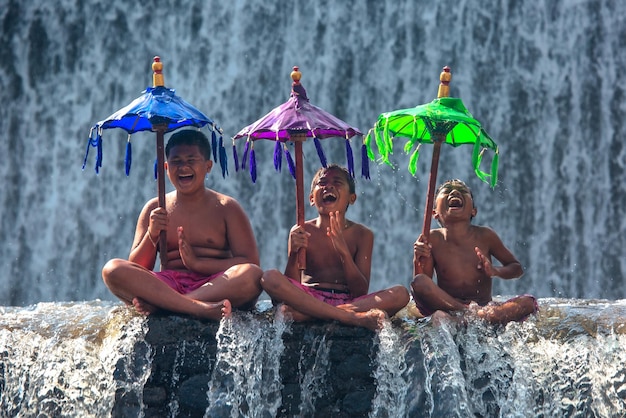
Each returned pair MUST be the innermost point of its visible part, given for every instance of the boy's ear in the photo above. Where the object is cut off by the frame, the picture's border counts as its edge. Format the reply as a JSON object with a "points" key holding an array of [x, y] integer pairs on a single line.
{"points": [[165, 165], [474, 212], [352, 199], [209, 165], [311, 202]]}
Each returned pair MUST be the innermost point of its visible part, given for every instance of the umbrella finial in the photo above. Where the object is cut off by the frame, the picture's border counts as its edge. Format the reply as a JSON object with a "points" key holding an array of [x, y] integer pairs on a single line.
{"points": [[157, 76], [296, 87], [296, 75], [444, 86]]}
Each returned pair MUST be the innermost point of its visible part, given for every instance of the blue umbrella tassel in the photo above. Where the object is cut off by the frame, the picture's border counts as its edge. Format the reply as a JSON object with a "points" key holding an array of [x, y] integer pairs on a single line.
{"points": [[278, 156], [214, 145], [156, 170], [320, 151], [246, 149], [350, 158], [235, 157], [365, 166], [128, 158], [290, 163], [223, 159], [252, 165]]}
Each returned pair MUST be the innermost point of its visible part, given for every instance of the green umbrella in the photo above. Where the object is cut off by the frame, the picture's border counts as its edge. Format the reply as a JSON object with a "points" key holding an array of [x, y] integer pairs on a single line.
{"points": [[444, 120]]}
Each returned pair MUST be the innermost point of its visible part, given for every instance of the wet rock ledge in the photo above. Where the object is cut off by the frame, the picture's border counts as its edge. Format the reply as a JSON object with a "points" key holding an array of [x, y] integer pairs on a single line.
{"points": [[186, 373]]}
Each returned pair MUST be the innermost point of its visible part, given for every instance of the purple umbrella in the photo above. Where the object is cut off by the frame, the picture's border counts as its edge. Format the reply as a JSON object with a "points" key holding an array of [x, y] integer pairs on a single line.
{"points": [[295, 121]]}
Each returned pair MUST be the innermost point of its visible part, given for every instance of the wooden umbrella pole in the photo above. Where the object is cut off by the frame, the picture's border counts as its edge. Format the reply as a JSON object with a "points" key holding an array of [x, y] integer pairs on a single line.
{"points": [[438, 138], [432, 184], [160, 133], [298, 139]]}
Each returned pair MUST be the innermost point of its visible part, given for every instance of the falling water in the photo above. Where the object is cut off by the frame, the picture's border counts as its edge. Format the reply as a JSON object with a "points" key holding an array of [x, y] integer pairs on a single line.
{"points": [[541, 76]]}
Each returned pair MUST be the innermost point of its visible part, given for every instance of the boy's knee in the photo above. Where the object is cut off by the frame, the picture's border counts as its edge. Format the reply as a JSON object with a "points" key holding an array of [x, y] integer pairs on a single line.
{"points": [[111, 268], [420, 283], [270, 279]]}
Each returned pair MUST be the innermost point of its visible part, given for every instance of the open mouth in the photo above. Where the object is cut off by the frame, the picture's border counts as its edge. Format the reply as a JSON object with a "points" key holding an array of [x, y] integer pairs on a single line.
{"points": [[329, 197], [455, 202], [185, 178]]}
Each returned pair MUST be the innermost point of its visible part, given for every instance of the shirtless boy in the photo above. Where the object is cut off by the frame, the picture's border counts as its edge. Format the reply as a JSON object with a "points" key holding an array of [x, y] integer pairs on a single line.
{"points": [[212, 254], [338, 262], [461, 255]]}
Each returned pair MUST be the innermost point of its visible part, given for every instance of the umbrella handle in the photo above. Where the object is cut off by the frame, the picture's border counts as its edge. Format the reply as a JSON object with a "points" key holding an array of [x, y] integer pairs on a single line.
{"points": [[432, 184], [300, 201], [161, 192]]}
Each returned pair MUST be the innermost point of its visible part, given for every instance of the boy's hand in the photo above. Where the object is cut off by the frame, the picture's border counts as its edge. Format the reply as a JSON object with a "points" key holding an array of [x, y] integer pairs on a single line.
{"points": [[421, 248], [484, 263], [298, 238], [187, 255], [158, 222], [335, 232]]}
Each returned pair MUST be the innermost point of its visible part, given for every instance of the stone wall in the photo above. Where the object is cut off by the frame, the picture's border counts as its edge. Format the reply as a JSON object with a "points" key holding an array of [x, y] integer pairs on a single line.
{"points": [[181, 356]]}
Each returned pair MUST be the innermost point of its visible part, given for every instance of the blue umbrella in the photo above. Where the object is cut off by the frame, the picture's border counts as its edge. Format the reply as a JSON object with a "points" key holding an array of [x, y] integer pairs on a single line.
{"points": [[158, 109]]}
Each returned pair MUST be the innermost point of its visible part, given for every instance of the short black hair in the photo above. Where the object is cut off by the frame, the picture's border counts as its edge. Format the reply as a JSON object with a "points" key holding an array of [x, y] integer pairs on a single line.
{"points": [[189, 137], [349, 179]]}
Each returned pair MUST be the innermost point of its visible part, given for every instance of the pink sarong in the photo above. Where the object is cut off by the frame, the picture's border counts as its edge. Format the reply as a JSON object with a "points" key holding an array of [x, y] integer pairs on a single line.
{"points": [[184, 281]]}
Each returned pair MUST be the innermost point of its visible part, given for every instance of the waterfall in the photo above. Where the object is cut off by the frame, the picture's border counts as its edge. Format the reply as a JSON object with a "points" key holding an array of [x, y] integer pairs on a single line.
{"points": [[543, 78], [89, 359]]}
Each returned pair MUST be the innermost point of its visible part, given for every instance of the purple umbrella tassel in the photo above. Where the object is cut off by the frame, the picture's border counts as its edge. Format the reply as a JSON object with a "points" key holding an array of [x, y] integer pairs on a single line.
{"points": [[365, 165], [278, 156], [246, 149], [128, 158], [235, 157], [214, 145], [290, 163], [320, 151], [252, 166], [350, 158]]}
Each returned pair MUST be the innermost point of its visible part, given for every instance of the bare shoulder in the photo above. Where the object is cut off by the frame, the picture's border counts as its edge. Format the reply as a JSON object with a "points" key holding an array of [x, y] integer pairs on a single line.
{"points": [[485, 233], [150, 205], [360, 231]]}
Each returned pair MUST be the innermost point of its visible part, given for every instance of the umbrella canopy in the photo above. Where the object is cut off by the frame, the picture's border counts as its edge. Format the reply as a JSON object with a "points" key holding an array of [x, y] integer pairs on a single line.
{"points": [[444, 120], [295, 121], [158, 109]]}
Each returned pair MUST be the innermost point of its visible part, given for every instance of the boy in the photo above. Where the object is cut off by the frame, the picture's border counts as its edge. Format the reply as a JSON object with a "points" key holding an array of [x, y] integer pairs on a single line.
{"points": [[212, 254], [461, 253], [338, 262]]}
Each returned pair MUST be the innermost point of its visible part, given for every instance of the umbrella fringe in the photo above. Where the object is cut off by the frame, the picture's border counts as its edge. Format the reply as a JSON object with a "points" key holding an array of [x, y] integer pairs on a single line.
{"points": [[95, 142], [365, 168], [494, 170], [320, 152], [246, 149], [223, 159], [278, 156], [367, 141], [350, 158], [235, 157], [252, 165], [128, 158], [290, 163], [214, 145], [413, 160], [156, 169]]}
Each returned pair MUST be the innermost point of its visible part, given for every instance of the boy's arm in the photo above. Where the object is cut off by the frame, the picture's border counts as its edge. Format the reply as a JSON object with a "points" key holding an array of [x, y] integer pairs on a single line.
{"points": [[511, 268], [356, 270], [422, 257], [143, 251], [298, 238]]}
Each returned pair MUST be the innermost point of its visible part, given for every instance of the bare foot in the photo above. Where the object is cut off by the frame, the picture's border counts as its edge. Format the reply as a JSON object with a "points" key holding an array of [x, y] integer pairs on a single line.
{"points": [[144, 307], [372, 319], [292, 314], [217, 310]]}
